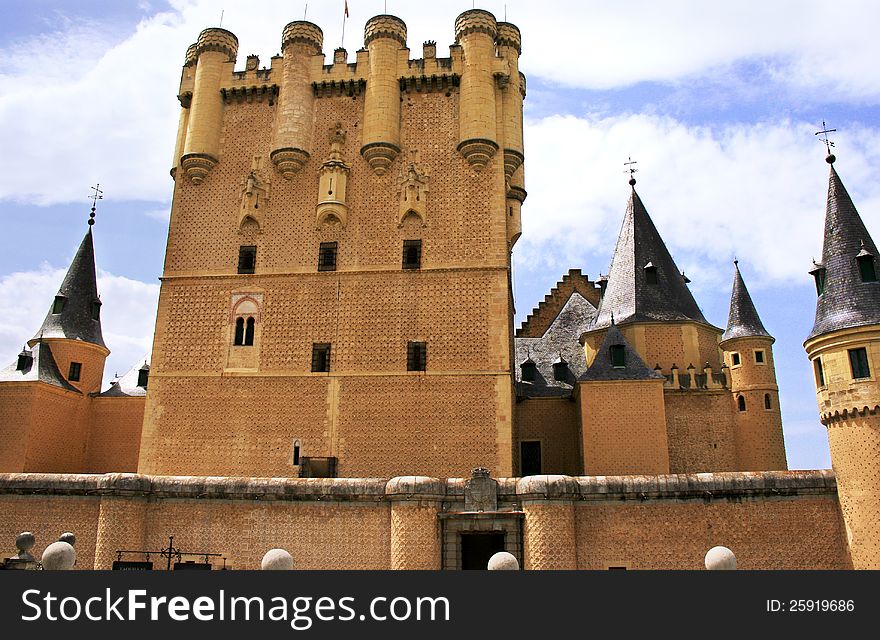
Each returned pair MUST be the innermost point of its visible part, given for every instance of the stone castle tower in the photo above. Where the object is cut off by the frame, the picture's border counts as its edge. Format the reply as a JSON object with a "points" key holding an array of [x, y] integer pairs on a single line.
{"points": [[336, 292], [844, 347]]}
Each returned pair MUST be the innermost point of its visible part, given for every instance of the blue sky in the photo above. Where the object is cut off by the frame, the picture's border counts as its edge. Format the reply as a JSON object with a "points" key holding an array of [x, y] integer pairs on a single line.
{"points": [[717, 103]]}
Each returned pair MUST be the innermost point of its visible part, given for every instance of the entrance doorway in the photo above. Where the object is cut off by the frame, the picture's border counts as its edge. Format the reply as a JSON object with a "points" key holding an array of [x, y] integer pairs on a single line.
{"points": [[477, 548]]}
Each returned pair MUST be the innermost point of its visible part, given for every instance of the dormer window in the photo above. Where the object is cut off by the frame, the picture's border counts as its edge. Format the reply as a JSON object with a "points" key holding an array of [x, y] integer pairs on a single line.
{"points": [[96, 310], [818, 273], [650, 273], [560, 369], [143, 376], [866, 266], [25, 360], [618, 356], [58, 305], [528, 370]]}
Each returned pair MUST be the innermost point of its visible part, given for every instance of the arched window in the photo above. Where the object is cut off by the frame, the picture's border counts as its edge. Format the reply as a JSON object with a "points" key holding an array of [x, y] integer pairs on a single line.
{"points": [[249, 332], [741, 402], [767, 403], [239, 332]]}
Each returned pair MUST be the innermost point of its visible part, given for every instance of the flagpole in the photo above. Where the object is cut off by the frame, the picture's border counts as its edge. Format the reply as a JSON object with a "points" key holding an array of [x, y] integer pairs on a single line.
{"points": [[344, 18]]}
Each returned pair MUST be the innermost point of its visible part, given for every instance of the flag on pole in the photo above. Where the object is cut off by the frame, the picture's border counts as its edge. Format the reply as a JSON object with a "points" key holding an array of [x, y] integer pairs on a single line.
{"points": [[346, 8]]}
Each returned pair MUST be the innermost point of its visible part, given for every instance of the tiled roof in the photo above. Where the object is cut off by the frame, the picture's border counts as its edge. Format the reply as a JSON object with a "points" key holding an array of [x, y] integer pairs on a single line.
{"points": [[602, 367], [42, 368], [743, 320], [126, 386]]}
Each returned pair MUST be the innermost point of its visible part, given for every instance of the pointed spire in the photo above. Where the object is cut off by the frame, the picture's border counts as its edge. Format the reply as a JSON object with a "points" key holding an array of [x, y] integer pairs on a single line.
{"points": [[743, 320], [644, 284], [617, 360], [850, 297], [75, 312]]}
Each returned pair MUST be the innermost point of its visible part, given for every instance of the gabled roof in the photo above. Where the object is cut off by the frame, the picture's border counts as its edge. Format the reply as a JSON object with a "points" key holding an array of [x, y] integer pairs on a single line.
{"points": [[126, 386], [743, 320], [542, 316], [602, 368], [42, 368], [629, 297], [846, 301], [80, 290]]}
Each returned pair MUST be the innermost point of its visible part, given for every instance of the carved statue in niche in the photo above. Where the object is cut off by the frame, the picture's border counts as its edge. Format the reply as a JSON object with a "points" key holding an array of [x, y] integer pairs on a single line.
{"points": [[413, 194], [254, 198], [333, 181]]}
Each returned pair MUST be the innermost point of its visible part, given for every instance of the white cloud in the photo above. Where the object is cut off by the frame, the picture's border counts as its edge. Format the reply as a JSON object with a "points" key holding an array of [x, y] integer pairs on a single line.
{"points": [[127, 317]]}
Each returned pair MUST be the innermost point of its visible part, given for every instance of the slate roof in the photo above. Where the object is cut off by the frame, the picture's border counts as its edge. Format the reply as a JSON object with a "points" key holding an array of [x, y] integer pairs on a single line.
{"points": [[743, 320], [126, 386], [602, 368], [43, 368], [560, 339], [628, 295], [80, 288], [846, 301]]}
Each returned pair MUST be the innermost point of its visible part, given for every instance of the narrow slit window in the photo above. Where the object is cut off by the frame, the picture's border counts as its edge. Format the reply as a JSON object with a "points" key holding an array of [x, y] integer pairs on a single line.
{"points": [[412, 254], [327, 256], [416, 356], [296, 447], [75, 371], [818, 273], [820, 372], [249, 332], [741, 403], [239, 332], [858, 362], [768, 403], [96, 310], [247, 258], [321, 357]]}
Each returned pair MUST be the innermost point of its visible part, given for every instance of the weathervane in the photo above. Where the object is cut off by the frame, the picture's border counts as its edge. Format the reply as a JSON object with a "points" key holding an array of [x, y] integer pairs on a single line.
{"points": [[631, 170], [97, 195], [828, 143]]}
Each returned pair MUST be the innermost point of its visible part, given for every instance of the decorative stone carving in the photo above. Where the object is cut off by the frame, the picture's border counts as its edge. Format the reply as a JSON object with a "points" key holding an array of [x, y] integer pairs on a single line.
{"points": [[480, 491], [254, 197], [413, 194], [333, 180]]}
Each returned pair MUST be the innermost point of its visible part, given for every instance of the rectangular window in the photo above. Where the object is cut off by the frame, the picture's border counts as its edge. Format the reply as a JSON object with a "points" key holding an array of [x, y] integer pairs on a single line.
{"points": [[58, 305], [297, 445], [820, 372], [75, 371], [618, 355], [327, 256], [412, 254], [247, 258], [416, 356], [321, 357], [858, 362], [734, 359], [759, 357], [866, 269], [530, 458]]}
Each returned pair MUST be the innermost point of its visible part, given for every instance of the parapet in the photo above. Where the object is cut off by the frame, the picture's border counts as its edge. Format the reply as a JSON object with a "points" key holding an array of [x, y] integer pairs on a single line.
{"points": [[303, 32], [385, 26], [509, 36], [415, 488], [216, 39], [477, 21]]}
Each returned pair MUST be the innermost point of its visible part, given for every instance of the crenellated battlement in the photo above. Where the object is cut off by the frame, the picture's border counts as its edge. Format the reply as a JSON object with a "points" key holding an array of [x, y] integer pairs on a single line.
{"points": [[476, 21], [303, 32], [385, 26]]}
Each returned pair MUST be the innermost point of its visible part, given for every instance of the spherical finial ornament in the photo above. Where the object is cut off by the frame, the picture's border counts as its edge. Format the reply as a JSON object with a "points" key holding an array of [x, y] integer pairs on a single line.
{"points": [[830, 158], [277, 560], [68, 537], [59, 556], [632, 182], [720, 559], [503, 561], [25, 541]]}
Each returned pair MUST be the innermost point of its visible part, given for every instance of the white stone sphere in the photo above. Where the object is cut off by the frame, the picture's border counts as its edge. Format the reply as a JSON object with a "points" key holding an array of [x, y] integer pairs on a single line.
{"points": [[277, 560], [59, 556], [68, 537], [503, 561], [720, 559]]}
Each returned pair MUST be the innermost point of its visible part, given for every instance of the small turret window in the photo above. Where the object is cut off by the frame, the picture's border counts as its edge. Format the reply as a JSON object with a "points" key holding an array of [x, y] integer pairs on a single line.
{"points": [[734, 359], [819, 275], [650, 273], [529, 371], [820, 372], [143, 376], [858, 362], [618, 356], [25, 360], [96, 310], [58, 305], [866, 267], [560, 371], [741, 403], [759, 357], [768, 404], [75, 371]]}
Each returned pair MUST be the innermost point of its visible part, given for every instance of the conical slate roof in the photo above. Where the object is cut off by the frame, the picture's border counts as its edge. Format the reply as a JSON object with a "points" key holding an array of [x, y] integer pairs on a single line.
{"points": [[743, 320], [80, 292], [42, 368], [629, 297], [602, 367], [846, 301]]}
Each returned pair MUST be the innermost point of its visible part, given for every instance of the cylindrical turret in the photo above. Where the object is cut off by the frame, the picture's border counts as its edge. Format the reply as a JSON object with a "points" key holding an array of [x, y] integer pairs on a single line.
{"points": [[516, 195], [384, 36], [185, 99], [757, 418], [300, 41], [214, 48], [509, 43], [476, 31]]}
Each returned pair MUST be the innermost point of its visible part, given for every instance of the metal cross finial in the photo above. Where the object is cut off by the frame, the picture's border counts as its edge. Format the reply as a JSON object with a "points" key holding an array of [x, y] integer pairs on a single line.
{"points": [[97, 195], [824, 133], [630, 169]]}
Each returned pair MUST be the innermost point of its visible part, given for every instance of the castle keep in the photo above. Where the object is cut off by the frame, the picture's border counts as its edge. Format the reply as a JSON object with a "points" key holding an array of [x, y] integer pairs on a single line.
{"points": [[335, 369]]}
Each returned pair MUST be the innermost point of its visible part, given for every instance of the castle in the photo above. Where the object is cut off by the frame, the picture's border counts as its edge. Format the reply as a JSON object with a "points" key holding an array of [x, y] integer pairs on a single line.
{"points": [[335, 369]]}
